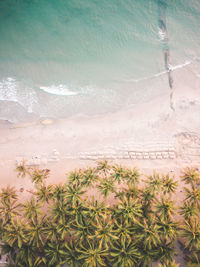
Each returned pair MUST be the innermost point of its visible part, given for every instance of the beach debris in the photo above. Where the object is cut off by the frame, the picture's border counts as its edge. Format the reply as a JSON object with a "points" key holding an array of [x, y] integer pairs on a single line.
{"points": [[158, 151], [19, 160], [34, 161], [55, 156], [47, 122], [38, 160]]}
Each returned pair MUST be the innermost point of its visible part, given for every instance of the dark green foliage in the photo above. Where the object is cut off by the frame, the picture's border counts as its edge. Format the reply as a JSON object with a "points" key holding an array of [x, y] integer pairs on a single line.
{"points": [[134, 224], [124, 253], [190, 176]]}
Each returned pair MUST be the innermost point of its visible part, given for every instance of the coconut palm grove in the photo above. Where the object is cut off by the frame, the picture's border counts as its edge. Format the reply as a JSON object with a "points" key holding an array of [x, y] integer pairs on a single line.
{"points": [[129, 220]]}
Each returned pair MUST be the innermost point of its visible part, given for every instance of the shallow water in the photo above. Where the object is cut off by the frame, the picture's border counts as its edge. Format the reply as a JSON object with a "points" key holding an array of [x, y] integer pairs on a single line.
{"points": [[64, 58]]}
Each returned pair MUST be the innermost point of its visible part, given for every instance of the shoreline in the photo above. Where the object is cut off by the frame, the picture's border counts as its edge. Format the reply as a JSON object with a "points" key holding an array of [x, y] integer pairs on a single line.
{"points": [[147, 128]]}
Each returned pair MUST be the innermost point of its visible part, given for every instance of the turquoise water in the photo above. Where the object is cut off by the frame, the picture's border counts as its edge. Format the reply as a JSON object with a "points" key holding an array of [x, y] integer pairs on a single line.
{"points": [[61, 58]]}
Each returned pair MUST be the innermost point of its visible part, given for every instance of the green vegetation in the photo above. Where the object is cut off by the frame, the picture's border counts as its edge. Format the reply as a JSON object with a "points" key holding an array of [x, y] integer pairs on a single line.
{"points": [[127, 221]]}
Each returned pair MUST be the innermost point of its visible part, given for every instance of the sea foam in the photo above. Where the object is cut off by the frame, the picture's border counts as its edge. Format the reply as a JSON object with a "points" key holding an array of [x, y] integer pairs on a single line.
{"points": [[58, 90], [8, 89], [171, 68], [11, 90]]}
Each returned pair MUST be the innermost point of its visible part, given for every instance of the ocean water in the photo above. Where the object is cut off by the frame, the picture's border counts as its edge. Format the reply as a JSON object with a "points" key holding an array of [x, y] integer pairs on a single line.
{"points": [[65, 58]]}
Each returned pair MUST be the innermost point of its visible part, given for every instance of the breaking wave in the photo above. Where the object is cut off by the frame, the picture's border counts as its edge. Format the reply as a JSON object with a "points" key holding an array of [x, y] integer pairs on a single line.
{"points": [[58, 90], [12, 90]]}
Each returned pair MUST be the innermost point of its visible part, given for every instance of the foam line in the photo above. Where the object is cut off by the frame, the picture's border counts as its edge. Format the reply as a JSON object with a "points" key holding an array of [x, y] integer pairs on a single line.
{"points": [[58, 90], [171, 68]]}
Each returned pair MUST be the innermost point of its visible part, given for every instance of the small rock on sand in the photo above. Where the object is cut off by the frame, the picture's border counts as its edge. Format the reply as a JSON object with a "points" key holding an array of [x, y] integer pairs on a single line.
{"points": [[47, 122]]}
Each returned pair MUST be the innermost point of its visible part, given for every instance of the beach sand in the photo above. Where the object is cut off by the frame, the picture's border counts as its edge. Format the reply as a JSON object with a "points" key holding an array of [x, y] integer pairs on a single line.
{"points": [[153, 126], [72, 143]]}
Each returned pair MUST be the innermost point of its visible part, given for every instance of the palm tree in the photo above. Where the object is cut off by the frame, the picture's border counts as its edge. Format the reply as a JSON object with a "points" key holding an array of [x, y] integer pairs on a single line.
{"points": [[132, 176], [148, 256], [9, 211], [118, 173], [40, 261], [38, 176], [167, 229], [169, 184], [83, 228], [44, 193], [164, 208], [50, 230], [26, 256], [59, 192], [120, 193], [106, 186], [104, 232], [129, 209], [193, 195], [58, 211], [77, 212], [147, 198], [103, 167], [8, 194], [15, 233], [73, 193], [188, 210], [22, 169], [54, 254], [154, 182], [166, 253], [190, 176], [70, 254], [147, 234], [124, 253], [35, 233], [75, 177], [89, 176], [92, 254], [31, 209], [95, 209], [191, 231], [147, 195], [132, 192], [123, 229], [63, 229]]}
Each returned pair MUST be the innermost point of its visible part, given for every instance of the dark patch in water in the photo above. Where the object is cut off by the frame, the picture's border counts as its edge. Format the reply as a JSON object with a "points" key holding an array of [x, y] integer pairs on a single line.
{"points": [[162, 6]]}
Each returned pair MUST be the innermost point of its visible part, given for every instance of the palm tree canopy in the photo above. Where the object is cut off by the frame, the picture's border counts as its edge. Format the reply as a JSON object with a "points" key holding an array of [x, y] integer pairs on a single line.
{"points": [[190, 175], [124, 253]]}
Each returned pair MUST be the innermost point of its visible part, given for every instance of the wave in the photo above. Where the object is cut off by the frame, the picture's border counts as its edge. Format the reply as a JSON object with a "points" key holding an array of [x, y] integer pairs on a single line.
{"points": [[58, 90], [8, 89], [171, 68], [11, 90], [181, 65]]}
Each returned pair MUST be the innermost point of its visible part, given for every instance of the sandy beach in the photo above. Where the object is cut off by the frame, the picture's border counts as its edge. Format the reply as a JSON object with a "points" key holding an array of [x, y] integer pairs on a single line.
{"points": [[150, 127], [148, 136]]}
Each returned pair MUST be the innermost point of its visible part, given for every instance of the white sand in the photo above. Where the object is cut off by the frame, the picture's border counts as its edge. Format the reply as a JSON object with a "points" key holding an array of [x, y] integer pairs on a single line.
{"points": [[144, 124]]}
